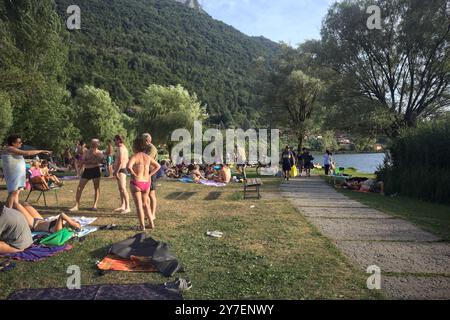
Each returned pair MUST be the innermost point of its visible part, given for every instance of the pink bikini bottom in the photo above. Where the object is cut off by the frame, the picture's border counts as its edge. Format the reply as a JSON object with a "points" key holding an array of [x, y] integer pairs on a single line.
{"points": [[143, 186]]}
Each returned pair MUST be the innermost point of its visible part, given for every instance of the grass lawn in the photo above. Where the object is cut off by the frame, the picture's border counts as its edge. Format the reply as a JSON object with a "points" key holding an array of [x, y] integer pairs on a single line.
{"points": [[268, 252]]}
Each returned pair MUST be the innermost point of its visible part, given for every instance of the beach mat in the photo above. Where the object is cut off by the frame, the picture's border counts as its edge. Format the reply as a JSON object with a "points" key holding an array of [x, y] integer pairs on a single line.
{"points": [[100, 292], [135, 264]]}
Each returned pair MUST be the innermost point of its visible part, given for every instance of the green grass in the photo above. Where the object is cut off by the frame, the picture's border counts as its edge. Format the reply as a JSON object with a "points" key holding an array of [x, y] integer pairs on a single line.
{"points": [[268, 252]]}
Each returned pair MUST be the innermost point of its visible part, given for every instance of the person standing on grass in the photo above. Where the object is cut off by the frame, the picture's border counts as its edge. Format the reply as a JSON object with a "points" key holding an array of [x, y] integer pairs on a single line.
{"points": [[142, 167], [327, 162], [109, 158], [120, 173], [92, 160], [152, 151], [14, 169], [287, 160]]}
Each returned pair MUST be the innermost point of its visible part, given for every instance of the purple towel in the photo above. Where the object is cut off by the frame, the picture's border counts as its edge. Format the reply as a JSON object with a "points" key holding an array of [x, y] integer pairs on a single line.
{"points": [[38, 252]]}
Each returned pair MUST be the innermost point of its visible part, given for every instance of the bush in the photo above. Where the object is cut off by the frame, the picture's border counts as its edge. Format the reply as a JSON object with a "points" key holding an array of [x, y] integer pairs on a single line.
{"points": [[419, 163]]}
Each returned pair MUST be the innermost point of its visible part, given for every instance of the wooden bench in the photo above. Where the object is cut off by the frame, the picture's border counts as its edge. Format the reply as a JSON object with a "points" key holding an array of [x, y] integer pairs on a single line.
{"points": [[252, 183]]}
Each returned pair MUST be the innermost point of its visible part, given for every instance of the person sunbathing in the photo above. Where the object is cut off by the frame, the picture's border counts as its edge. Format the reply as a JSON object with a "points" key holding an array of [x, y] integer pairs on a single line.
{"points": [[224, 175], [196, 175], [38, 224], [36, 176]]}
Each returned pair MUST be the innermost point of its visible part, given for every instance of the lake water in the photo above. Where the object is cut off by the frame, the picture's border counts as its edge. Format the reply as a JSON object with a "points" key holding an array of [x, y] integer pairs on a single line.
{"points": [[363, 162]]}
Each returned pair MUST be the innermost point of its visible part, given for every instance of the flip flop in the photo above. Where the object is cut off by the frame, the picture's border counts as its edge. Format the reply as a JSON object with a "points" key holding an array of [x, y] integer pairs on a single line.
{"points": [[179, 284]]}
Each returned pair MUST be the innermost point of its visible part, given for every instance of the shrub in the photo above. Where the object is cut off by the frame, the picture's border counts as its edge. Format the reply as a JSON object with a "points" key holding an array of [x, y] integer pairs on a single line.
{"points": [[419, 163]]}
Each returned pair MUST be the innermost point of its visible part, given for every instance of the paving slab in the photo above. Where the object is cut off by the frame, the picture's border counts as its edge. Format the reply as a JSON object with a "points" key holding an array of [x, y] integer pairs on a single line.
{"points": [[333, 203], [371, 229], [416, 288], [399, 257], [346, 213]]}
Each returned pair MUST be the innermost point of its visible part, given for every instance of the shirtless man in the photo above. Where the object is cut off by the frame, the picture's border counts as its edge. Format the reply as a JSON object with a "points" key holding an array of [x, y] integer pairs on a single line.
{"points": [[139, 168], [120, 172], [152, 151], [224, 174], [92, 159]]}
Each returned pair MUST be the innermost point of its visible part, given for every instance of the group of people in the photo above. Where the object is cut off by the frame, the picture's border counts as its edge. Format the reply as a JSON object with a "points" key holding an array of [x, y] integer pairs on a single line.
{"points": [[18, 220], [302, 160], [142, 166], [214, 172]]}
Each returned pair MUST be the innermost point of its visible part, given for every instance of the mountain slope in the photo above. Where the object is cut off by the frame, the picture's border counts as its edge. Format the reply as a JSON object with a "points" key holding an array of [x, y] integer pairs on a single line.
{"points": [[125, 45]]}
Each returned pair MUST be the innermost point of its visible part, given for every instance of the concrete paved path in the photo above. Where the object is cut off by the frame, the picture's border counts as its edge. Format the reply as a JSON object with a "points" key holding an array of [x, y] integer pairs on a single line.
{"points": [[414, 263]]}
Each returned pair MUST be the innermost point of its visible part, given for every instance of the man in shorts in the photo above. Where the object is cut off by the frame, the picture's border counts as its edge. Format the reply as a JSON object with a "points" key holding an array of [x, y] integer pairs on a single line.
{"points": [[152, 151], [92, 160]]}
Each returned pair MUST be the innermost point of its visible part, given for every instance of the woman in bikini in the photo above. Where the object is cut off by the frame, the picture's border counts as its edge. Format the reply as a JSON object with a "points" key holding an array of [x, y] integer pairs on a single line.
{"points": [[139, 167], [38, 224]]}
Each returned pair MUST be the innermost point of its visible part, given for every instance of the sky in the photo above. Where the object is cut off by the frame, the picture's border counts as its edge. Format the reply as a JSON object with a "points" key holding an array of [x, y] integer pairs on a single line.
{"points": [[291, 21]]}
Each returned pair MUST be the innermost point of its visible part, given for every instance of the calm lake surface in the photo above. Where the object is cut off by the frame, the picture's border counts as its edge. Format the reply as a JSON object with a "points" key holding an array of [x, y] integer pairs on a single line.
{"points": [[364, 162]]}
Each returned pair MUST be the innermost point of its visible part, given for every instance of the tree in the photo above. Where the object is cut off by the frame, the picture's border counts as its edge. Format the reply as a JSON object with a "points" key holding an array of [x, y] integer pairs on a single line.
{"points": [[97, 115], [165, 109], [403, 67], [6, 117], [32, 62], [298, 96]]}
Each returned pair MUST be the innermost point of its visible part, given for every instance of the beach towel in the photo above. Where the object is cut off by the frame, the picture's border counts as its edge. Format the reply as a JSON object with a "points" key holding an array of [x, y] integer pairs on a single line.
{"points": [[58, 238], [100, 292], [83, 221], [113, 262], [210, 183], [38, 253], [69, 178], [14, 171], [143, 246], [85, 231], [186, 180]]}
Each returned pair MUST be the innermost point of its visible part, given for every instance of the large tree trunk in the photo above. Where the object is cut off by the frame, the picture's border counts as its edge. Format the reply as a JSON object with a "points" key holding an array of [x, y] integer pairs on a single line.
{"points": [[300, 137]]}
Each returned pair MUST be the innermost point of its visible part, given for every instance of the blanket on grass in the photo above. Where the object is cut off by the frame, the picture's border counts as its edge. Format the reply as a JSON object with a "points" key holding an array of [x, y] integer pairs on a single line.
{"points": [[100, 292], [38, 253]]}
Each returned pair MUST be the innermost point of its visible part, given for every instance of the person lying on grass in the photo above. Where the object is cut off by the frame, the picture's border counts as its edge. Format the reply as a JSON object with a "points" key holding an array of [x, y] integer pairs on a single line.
{"points": [[139, 167], [15, 234], [37, 223]]}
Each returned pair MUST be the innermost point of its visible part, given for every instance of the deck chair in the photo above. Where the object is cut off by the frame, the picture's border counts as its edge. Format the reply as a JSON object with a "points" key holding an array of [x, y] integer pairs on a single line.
{"points": [[42, 191]]}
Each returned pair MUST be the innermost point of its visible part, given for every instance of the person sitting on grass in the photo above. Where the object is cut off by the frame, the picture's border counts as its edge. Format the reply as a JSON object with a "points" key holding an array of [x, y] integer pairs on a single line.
{"points": [[37, 223], [224, 174], [15, 234], [196, 175]]}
